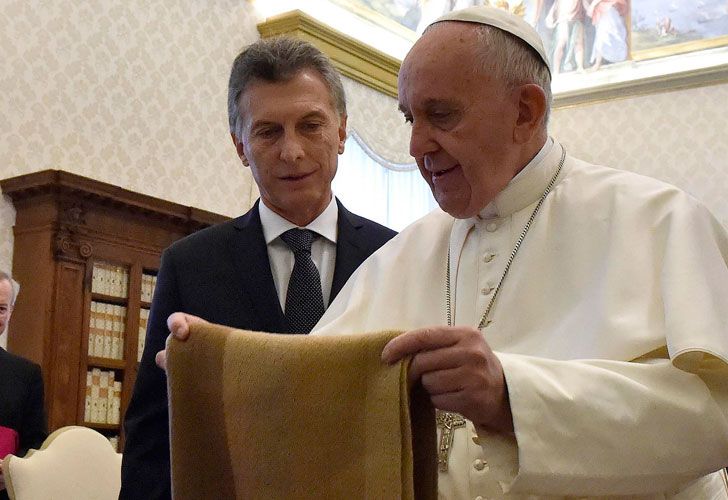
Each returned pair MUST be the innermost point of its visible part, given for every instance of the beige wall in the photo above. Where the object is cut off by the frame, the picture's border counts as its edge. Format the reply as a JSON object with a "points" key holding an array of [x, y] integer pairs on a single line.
{"points": [[128, 92], [132, 93], [679, 137]]}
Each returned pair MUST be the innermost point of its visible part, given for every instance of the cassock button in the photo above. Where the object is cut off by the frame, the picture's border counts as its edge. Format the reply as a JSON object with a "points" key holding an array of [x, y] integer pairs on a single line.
{"points": [[479, 464], [479, 498], [491, 226], [488, 257], [486, 290]]}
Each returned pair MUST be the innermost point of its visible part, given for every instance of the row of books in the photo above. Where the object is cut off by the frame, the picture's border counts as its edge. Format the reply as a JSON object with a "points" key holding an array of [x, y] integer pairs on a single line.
{"points": [[107, 323], [103, 397], [110, 279], [149, 281]]}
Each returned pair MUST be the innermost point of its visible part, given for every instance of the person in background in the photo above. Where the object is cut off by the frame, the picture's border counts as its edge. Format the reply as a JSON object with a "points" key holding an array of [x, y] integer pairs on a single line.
{"points": [[287, 114], [22, 414]]}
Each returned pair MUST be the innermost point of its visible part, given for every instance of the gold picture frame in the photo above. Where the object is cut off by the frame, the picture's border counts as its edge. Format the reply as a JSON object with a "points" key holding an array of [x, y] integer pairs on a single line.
{"points": [[671, 64]]}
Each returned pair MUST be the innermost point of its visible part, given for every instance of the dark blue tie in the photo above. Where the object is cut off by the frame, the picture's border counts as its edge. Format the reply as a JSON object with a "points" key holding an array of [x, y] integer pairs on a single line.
{"points": [[304, 299]]}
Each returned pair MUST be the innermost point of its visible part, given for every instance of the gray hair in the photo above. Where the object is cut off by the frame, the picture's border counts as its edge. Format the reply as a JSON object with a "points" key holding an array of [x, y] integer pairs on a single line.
{"points": [[13, 286], [511, 60], [279, 59]]}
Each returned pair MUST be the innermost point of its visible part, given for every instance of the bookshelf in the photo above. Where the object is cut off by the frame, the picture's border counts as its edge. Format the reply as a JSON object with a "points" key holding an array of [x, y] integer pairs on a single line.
{"points": [[86, 254]]}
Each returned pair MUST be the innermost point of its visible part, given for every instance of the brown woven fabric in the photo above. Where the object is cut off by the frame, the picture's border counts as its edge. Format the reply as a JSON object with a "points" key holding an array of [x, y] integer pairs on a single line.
{"points": [[265, 416]]}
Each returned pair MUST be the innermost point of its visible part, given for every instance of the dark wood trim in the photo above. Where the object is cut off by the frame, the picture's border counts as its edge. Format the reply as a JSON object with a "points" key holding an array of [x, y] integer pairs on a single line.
{"points": [[65, 223]]}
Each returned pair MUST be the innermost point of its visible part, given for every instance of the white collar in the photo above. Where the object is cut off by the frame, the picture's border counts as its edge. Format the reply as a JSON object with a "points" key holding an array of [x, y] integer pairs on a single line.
{"points": [[526, 187], [274, 225]]}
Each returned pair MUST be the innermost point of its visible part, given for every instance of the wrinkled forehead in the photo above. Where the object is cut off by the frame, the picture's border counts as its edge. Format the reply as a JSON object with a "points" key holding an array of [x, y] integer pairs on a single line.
{"points": [[440, 42], [303, 93], [446, 52]]}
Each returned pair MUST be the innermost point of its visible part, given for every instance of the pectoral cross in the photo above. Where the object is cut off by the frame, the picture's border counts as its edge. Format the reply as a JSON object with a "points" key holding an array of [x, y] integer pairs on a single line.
{"points": [[447, 422]]}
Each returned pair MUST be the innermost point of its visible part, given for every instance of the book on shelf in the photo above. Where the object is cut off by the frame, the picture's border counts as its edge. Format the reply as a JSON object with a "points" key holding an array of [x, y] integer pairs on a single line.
{"points": [[141, 338], [107, 323], [149, 282], [87, 406], [103, 403], [110, 279], [114, 413], [103, 397]]}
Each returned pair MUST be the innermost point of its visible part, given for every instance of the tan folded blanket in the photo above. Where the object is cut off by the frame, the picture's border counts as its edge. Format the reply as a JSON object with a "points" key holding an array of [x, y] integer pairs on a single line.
{"points": [[270, 416]]}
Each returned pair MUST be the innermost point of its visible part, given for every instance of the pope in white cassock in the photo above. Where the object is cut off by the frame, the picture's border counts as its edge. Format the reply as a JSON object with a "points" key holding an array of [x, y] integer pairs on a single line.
{"points": [[588, 352], [589, 348]]}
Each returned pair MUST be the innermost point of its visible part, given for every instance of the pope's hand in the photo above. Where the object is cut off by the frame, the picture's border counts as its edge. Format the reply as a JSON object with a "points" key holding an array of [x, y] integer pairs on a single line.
{"points": [[179, 327], [459, 371]]}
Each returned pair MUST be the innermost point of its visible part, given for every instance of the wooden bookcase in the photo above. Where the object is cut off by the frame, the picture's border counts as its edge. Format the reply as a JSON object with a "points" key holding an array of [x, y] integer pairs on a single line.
{"points": [[67, 229]]}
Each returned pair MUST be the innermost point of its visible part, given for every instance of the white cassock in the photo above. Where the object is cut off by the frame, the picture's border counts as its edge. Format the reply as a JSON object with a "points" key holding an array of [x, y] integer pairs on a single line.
{"points": [[611, 326]]}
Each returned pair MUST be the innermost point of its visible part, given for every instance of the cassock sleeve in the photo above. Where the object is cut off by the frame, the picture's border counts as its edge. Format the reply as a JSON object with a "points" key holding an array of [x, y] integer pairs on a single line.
{"points": [[616, 427], [599, 427]]}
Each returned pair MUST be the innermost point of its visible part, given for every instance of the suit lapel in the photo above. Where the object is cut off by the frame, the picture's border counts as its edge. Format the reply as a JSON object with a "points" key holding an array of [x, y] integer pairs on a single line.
{"points": [[350, 251], [251, 260]]}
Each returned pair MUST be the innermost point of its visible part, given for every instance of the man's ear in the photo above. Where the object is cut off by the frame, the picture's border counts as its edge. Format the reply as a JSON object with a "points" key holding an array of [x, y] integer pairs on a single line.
{"points": [[342, 133], [531, 102], [239, 149]]}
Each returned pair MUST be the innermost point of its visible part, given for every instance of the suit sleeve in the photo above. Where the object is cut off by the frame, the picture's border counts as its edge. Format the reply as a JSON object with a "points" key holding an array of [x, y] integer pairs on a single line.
{"points": [[34, 427], [145, 471]]}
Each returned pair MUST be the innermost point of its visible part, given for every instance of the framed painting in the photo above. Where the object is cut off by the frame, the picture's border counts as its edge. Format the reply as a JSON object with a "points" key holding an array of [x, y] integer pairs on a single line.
{"points": [[661, 28], [598, 49]]}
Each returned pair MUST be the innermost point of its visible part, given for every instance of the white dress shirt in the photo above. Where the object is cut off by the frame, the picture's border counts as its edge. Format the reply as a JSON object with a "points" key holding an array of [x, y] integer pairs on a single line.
{"points": [[323, 249]]}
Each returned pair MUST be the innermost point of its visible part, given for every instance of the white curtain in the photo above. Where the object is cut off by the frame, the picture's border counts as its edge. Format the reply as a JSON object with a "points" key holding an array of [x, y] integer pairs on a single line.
{"points": [[389, 193]]}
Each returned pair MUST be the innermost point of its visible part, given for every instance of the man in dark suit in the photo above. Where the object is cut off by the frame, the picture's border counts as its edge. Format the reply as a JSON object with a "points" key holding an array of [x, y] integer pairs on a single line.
{"points": [[21, 390], [287, 114]]}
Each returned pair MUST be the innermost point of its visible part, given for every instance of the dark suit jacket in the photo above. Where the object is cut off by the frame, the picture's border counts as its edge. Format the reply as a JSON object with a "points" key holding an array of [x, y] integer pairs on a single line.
{"points": [[223, 275], [21, 402]]}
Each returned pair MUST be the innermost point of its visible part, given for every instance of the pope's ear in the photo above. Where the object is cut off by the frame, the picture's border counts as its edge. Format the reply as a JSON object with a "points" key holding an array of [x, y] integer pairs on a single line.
{"points": [[531, 101], [239, 148]]}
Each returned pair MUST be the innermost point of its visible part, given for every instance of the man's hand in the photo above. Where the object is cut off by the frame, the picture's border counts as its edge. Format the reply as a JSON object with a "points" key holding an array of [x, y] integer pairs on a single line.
{"points": [[459, 370], [179, 327]]}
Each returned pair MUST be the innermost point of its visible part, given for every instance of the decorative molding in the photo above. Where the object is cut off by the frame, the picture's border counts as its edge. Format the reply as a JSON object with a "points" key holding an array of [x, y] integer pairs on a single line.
{"points": [[674, 81], [73, 214], [680, 48], [70, 248], [351, 57], [79, 202], [69, 245], [64, 185]]}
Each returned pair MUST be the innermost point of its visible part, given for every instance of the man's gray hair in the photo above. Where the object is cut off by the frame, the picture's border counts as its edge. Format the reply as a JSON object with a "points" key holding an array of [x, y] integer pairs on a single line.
{"points": [[512, 60], [279, 59], [13, 286], [516, 62]]}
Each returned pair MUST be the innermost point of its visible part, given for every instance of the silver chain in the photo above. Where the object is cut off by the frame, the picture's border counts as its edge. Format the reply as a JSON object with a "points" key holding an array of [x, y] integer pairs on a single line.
{"points": [[448, 291]]}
